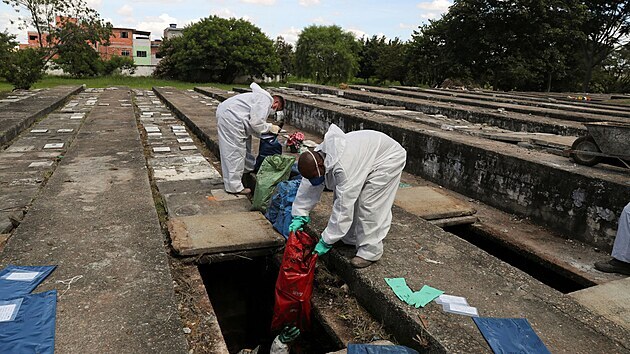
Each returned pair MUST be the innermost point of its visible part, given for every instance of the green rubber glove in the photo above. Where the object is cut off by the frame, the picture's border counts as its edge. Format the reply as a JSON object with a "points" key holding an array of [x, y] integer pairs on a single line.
{"points": [[322, 247], [298, 223], [289, 334]]}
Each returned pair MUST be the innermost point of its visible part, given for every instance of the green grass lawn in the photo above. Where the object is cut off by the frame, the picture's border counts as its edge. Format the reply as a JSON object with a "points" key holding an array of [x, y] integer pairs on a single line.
{"points": [[129, 81]]}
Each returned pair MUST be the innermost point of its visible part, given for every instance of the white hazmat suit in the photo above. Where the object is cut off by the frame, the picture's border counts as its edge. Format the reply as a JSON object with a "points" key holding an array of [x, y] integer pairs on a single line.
{"points": [[621, 248], [363, 168], [238, 118]]}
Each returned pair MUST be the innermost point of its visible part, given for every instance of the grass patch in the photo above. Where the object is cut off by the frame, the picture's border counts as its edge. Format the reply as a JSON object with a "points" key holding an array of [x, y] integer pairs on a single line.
{"points": [[117, 80]]}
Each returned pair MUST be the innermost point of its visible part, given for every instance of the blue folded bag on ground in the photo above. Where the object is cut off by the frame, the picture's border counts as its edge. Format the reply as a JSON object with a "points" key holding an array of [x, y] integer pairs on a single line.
{"points": [[33, 328], [379, 349], [279, 210], [21, 280], [510, 335]]}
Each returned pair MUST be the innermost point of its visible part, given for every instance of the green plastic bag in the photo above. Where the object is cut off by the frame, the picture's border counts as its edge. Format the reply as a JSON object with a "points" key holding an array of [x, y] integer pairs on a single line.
{"points": [[274, 169]]}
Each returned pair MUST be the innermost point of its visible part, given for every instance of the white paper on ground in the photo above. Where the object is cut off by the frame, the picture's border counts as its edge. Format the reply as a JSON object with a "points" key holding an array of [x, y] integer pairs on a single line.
{"points": [[461, 309], [6, 312], [22, 276], [9, 309], [450, 299]]}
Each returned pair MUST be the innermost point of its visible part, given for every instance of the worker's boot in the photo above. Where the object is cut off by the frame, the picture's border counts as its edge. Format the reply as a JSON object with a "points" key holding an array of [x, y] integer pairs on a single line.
{"points": [[359, 262], [613, 266]]}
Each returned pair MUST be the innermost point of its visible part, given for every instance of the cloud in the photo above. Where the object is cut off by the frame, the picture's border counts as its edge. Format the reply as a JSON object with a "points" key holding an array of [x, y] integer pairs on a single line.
{"points": [[227, 13], [12, 28], [357, 33], [260, 2], [320, 21], [94, 4], [125, 10], [156, 25], [435, 5], [407, 26], [309, 2], [290, 35]]}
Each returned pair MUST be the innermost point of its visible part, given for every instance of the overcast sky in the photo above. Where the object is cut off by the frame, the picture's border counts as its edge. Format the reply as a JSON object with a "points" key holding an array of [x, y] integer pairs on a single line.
{"points": [[275, 17]]}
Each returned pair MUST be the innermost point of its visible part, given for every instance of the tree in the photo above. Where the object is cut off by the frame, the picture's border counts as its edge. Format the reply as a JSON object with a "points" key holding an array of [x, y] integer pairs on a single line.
{"points": [[24, 68], [217, 49], [511, 44], [286, 55], [7, 46], [371, 49], [60, 23], [76, 55], [606, 28], [392, 62], [327, 54], [117, 65]]}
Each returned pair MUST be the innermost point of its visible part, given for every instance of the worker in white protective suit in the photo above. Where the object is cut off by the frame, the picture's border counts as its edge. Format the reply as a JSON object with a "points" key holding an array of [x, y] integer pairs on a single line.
{"points": [[363, 168], [620, 261], [238, 118]]}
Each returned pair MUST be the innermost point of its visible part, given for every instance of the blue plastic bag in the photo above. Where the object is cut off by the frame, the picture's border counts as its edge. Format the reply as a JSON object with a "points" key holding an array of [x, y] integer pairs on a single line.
{"points": [[33, 329], [21, 280], [269, 145], [379, 349], [279, 211], [510, 335]]}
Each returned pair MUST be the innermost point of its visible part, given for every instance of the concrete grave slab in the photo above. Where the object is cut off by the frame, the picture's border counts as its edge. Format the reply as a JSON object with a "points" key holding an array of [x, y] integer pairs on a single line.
{"points": [[430, 204], [54, 146], [152, 129], [65, 130], [185, 140], [154, 135], [611, 300], [178, 127], [161, 149], [187, 147], [220, 195], [39, 131], [20, 148], [182, 173], [41, 164], [181, 133], [210, 234]]}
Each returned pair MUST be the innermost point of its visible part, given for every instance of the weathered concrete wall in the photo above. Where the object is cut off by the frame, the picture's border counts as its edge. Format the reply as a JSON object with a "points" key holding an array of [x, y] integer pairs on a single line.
{"points": [[581, 202], [569, 199], [17, 116], [546, 109], [511, 121]]}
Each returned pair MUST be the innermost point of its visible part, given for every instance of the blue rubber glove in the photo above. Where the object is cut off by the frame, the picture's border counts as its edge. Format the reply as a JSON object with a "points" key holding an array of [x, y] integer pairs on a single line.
{"points": [[298, 223], [289, 334], [322, 247]]}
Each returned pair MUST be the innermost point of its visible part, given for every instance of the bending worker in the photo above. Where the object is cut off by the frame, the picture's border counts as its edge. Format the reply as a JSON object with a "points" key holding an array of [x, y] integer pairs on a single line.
{"points": [[363, 168], [620, 261], [238, 118]]}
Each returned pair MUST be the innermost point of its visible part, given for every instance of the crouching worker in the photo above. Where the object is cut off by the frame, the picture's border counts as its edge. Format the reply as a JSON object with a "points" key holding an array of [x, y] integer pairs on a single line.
{"points": [[238, 118], [363, 168], [620, 261]]}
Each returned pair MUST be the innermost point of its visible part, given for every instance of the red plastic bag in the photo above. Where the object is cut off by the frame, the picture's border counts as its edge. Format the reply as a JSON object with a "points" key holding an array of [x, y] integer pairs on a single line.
{"points": [[294, 286]]}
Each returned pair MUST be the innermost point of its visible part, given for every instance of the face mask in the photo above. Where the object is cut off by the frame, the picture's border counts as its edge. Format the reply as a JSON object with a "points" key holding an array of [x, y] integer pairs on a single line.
{"points": [[317, 180]]}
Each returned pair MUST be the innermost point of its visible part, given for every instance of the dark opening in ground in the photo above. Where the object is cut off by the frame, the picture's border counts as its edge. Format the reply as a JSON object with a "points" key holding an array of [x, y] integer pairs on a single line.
{"points": [[242, 295], [541, 270]]}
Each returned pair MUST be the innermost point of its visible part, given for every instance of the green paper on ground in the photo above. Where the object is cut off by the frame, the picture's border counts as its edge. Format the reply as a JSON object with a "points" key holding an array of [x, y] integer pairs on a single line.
{"points": [[424, 296], [400, 288]]}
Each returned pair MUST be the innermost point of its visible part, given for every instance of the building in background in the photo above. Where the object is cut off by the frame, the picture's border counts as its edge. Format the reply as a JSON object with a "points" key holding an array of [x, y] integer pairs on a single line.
{"points": [[172, 31], [124, 42]]}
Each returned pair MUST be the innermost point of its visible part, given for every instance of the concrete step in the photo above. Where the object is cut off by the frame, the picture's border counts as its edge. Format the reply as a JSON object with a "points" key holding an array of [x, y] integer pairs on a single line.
{"points": [[97, 222], [610, 300]]}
